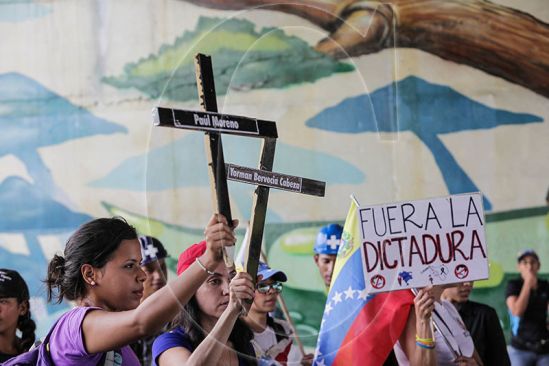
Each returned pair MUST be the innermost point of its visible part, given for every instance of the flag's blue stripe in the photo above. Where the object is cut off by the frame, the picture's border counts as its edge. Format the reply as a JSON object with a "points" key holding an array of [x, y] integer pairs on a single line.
{"points": [[338, 321]]}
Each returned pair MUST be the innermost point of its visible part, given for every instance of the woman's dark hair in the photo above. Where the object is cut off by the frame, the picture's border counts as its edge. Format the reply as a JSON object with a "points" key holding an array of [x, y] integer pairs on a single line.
{"points": [[13, 285], [92, 243], [27, 326], [278, 329], [240, 336]]}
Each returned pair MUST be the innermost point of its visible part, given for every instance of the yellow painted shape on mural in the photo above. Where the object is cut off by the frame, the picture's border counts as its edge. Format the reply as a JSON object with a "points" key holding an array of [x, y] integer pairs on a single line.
{"points": [[143, 224], [495, 276], [299, 241]]}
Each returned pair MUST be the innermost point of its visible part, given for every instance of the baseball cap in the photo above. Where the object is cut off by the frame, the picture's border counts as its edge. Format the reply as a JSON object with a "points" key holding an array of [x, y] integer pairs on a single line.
{"points": [[267, 272], [328, 239], [189, 256], [151, 249], [13, 285], [525, 253]]}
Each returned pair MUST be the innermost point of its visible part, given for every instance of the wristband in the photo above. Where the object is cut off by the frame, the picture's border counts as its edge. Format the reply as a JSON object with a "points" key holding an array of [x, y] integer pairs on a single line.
{"points": [[427, 343], [204, 267], [425, 340], [422, 345]]}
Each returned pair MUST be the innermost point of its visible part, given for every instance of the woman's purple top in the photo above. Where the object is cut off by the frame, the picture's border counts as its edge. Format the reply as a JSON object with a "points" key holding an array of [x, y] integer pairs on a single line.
{"points": [[66, 343]]}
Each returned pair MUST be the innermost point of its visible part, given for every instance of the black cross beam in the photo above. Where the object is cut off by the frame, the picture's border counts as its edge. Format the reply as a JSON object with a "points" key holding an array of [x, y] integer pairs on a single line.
{"points": [[270, 179], [214, 124]]}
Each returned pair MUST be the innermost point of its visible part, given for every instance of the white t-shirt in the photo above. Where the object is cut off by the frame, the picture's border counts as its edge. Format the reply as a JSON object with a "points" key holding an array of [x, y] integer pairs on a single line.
{"points": [[266, 340]]}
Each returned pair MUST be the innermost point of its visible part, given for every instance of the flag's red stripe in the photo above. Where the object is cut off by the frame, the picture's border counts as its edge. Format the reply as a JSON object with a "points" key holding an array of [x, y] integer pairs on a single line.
{"points": [[375, 330]]}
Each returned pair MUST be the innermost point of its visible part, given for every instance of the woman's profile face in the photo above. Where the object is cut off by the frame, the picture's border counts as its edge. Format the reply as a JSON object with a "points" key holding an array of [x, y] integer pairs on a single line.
{"points": [[120, 282], [10, 310], [213, 295]]}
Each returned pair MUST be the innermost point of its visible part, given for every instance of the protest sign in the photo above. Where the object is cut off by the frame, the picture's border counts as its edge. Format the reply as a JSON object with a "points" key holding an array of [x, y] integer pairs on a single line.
{"points": [[426, 242]]}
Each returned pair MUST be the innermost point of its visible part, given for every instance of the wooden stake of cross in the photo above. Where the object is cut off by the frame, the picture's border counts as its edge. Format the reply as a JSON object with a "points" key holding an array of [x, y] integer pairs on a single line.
{"points": [[214, 124]]}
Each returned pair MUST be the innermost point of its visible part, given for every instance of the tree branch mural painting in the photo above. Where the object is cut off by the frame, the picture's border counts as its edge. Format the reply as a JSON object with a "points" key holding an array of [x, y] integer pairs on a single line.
{"points": [[494, 38]]}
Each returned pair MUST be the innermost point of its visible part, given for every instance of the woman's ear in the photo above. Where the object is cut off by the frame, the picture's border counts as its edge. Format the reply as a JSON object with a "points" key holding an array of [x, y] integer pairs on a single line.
{"points": [[23, 307], [89, 274]]}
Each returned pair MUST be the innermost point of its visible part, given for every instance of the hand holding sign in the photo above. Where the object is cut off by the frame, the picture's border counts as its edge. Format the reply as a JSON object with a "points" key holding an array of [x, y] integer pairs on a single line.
{"points": [[424, 303]]}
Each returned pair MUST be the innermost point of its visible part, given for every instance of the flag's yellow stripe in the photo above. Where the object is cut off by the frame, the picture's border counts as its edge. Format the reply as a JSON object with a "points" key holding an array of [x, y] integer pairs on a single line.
{"points": [[350, 240]]}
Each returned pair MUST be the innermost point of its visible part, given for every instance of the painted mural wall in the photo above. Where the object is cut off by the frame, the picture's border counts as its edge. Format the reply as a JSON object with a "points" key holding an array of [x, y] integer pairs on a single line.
{"points": [[389, 101]]}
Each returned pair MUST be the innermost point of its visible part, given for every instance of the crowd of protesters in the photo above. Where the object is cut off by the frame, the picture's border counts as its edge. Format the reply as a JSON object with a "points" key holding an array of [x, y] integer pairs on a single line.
{"points": [[128, 314]]}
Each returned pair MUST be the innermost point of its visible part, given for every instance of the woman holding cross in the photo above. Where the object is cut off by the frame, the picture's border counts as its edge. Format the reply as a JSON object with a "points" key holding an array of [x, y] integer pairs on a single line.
{"points": [[208, 330], [100, 271]]}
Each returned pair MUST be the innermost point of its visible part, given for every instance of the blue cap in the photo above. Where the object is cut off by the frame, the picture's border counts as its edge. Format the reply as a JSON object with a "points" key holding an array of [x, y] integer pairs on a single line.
{"points": [[151, 249], [526, 253], [328, 239], [267, 272]]}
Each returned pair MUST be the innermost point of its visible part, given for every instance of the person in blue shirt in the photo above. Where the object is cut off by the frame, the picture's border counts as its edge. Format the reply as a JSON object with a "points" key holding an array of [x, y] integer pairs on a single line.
{"points": [[208, 330]]}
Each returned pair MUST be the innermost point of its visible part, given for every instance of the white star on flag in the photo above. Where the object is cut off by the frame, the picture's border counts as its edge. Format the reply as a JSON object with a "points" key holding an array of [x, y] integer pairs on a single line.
{"points": [[363, 295], [337, 297], [349, 293], [320, 363], [328, 308], [317, 350]]}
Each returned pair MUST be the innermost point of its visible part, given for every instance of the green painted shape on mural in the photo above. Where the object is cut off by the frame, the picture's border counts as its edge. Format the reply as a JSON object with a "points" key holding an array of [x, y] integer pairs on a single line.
{"points": [[517, 214], [243, 59]]}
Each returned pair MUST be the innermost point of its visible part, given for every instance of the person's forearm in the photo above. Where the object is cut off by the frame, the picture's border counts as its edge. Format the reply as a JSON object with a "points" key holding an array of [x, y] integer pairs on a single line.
{"points": [[521, 303], [163, 305], [210, 349], [423, 356]]}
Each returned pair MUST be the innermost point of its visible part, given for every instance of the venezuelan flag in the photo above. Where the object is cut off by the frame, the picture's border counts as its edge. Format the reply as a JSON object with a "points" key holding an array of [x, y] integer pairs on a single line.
{"points": [[357, 328]]}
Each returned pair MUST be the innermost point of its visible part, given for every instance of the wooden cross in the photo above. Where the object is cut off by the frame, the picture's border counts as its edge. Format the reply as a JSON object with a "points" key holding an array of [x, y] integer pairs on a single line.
{"points": [[214, 124]]}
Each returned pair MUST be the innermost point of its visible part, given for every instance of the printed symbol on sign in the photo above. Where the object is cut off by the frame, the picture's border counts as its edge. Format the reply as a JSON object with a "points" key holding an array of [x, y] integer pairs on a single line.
{"points": [[404, 276], [443, 272], [461, 271], [378, 281], [438, 271]]}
